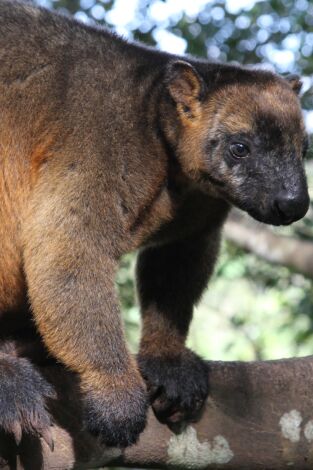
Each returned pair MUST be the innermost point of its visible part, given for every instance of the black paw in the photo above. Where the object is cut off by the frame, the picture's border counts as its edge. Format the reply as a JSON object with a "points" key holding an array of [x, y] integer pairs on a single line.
{"points": [[118, 417], [22, 400], [177, 386]]}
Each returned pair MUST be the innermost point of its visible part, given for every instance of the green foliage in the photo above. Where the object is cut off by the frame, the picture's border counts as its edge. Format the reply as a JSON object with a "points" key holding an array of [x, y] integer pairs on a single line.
{"points": [[252, 309], [256, 310], [276, 32], [126, 288]]}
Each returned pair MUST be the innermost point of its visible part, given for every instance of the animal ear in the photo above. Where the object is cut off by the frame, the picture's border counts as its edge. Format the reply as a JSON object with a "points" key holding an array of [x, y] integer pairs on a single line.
{"points": [[186, 87], [295, 83]]}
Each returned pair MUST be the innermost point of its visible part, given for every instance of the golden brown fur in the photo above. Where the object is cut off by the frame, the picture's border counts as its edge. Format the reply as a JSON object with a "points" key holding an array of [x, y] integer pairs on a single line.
{"points": [[108, 147]]}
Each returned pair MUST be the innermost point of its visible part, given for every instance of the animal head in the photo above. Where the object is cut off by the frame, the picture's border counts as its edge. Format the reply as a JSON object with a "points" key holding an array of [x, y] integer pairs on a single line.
{"points": [[241, 133]]}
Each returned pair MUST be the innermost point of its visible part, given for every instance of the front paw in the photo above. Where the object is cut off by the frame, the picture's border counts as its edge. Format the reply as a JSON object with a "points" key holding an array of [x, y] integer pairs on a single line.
{"points": [[117, 417], [178, 387]]}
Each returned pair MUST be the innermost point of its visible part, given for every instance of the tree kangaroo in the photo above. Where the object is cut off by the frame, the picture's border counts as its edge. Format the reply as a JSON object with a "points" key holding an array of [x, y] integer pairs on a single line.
{"points": [[107, 147]]}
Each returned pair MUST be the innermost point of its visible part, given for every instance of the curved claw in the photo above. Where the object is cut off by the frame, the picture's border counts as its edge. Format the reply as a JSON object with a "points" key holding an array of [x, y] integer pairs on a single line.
{"points": [[46, 435], [17, 432], [3, 462]]}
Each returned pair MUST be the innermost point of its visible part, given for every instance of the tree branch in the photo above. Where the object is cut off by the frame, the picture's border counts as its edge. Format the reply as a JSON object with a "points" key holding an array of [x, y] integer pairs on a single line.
{"points": [[258, 416], [256, 238]]}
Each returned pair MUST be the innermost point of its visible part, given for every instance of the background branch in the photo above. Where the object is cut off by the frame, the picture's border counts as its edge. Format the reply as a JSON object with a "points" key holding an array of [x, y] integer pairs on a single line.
{"points": [[260, 240], [258, 416]]}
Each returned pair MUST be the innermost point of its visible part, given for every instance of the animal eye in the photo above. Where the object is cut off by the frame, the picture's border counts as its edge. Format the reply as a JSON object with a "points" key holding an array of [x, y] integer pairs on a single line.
{"points": [[239, 150]]}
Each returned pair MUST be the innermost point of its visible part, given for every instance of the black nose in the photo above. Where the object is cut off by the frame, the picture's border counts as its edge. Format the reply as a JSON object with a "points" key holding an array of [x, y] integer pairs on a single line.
{"points": [[291, 206]]}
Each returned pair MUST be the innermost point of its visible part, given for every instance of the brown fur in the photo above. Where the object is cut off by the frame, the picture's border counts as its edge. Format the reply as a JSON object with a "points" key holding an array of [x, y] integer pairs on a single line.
{"points": [[159, 338], [104, 149]]}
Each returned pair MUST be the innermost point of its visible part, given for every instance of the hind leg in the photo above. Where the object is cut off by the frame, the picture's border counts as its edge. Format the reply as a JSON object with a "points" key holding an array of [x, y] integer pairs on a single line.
{"points": [[23, 394]]}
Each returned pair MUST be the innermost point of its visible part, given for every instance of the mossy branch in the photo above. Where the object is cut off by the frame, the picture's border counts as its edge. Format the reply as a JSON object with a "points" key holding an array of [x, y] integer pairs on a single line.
{"points": [[259, 416]]}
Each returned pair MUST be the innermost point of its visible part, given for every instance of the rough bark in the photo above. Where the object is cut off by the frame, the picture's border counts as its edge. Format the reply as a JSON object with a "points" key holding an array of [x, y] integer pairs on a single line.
{"points": [[257, 238], [258, 416]]}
